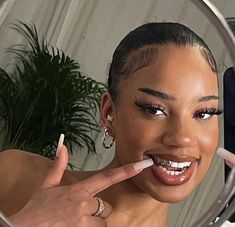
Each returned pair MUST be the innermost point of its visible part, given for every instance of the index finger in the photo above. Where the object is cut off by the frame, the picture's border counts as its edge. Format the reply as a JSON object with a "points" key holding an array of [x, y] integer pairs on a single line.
{"points": [[56, 171], [109, 177]]}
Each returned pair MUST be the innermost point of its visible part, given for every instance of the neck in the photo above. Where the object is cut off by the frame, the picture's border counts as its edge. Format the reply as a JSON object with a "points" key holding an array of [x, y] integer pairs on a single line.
{"points": [[132, 207]]}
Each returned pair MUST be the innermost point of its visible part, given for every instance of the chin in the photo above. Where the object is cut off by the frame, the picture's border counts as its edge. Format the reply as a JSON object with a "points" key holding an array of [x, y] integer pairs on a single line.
{"points": [[171, 196]]}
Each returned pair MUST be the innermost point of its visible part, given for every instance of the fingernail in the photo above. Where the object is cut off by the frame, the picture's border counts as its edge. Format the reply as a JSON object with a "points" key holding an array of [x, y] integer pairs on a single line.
{"points": [[60, 143], [143, 164], [229, 156]]}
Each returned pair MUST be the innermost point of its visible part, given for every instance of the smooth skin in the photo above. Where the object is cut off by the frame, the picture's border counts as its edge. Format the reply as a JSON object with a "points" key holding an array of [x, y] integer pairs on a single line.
{"points": [[75, 203], [182, 125], [182, 128]]}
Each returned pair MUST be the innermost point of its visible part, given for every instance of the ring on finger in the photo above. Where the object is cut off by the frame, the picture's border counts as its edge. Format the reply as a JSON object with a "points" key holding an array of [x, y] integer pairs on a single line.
{"points": [[101, 207]]}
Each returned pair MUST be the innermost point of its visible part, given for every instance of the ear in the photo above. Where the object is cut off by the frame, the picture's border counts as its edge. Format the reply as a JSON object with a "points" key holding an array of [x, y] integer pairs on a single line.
{"points": [[106, 109]]}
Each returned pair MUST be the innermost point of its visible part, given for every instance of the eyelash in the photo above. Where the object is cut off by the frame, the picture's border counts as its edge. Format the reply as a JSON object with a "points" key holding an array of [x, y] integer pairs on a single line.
{"points": [[210, 111], [151, 110]]}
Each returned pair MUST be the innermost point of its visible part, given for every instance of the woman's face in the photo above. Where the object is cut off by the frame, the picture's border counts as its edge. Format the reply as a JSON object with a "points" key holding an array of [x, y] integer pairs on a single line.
{"points": [[167, 111]]}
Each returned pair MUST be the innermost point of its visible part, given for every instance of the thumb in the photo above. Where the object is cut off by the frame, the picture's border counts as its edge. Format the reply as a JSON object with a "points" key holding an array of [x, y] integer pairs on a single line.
{"points": [[56, 172]]}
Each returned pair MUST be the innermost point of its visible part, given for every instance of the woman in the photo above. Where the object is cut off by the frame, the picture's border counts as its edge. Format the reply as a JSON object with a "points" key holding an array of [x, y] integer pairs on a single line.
{"points": [[161, 105]]}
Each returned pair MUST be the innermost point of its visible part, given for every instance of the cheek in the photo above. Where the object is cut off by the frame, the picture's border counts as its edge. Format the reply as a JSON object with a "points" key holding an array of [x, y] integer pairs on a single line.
{"points": [[208, 140], [134, 137]]}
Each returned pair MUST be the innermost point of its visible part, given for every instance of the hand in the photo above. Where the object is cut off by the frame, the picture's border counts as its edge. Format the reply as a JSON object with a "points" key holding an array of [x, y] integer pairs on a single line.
{"points": [[229, 157], [72, 205]]}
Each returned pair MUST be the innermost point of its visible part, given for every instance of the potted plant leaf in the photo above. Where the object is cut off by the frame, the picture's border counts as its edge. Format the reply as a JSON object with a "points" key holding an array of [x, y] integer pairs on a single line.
{"points": [[46, 95]]}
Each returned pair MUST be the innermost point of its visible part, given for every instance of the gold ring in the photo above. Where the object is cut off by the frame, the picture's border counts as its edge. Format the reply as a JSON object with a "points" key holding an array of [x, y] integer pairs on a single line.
{"points": [[101, 207]]}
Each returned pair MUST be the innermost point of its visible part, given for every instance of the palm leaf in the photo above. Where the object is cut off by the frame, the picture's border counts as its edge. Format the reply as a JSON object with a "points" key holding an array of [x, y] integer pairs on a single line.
{"points": [[47, 94]]}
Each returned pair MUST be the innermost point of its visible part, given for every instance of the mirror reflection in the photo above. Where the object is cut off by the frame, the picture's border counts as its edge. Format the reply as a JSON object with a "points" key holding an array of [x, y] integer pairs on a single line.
{"points": [[164, 106]]}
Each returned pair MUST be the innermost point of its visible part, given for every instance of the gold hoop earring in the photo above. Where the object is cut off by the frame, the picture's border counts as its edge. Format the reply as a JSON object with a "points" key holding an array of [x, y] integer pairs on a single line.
{"points": [[107, 138]]}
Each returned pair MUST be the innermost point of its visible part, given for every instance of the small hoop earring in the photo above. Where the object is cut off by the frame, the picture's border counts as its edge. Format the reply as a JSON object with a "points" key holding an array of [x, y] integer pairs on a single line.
{"points": [[107, 138]]}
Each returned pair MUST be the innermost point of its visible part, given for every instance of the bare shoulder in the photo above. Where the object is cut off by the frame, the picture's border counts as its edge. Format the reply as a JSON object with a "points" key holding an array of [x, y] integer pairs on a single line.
{"points": [[17, 162], [21, 174], [12, 154]]}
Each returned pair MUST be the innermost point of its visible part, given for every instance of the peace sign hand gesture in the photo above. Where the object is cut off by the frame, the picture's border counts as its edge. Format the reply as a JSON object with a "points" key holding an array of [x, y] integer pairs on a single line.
{"points": [[73, 205]]}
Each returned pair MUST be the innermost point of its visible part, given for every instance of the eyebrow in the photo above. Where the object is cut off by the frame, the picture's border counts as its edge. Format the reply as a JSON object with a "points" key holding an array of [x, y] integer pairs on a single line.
{"points": [[157, 93], [208, 98], [165, 96]]}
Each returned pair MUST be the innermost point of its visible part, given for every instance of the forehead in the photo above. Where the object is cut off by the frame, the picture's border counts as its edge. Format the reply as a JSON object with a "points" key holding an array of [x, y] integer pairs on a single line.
{"points": [[175, 69]]}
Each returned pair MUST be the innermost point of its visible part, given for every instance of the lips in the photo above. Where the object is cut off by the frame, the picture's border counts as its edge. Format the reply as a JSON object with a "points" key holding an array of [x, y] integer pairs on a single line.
{"points": [[173, 170]]}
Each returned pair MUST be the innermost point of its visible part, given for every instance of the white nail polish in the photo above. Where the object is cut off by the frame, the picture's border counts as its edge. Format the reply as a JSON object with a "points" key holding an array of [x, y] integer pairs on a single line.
{"points": [[143, 164], [60, 143], [226, 155]]}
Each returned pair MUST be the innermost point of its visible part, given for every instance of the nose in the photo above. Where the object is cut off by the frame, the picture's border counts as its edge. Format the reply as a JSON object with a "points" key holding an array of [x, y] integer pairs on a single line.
{"points": [[180, 133]]}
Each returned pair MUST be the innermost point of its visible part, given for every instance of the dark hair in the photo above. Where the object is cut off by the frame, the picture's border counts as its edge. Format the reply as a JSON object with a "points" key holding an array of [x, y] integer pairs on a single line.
{"points": [[139, 48]]}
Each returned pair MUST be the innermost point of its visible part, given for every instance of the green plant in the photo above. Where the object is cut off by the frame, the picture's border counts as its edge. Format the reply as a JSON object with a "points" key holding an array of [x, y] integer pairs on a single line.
{"points": [[47, 94]]}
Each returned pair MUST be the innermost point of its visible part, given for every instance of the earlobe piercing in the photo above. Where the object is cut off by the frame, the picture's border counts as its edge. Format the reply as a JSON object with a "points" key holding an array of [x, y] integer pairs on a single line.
{"points": [[109, 118], [107, 140]]}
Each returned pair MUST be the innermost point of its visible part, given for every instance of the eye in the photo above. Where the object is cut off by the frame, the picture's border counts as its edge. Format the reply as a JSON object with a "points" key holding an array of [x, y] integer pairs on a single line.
{"points": [[154, 111], [151, 109], [207, 113], [203, 116]]}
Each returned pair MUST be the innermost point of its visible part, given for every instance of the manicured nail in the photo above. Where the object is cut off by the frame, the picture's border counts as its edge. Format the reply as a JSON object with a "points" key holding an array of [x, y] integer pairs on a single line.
{"points": [[226, 155], [60, 143], [143, 164]]}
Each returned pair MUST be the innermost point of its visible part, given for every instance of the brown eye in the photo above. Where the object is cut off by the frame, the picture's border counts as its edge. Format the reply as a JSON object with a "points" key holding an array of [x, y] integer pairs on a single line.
{"points": [[207, 113], [154, 111], [151, 109], [203, 116]]}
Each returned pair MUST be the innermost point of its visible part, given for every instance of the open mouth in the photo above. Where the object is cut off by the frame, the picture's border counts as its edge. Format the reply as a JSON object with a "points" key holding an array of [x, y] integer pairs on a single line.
{"points": [[171, 167], [172, 170]]}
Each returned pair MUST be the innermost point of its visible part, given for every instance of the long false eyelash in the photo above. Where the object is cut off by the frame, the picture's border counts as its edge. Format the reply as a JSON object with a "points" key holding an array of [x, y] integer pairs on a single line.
{"points": [[144, 106], [149, 106], [211, 111]]}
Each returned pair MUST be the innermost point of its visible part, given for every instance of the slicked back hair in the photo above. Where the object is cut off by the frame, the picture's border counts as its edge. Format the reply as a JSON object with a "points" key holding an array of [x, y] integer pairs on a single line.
{"points": [[139, 48]]}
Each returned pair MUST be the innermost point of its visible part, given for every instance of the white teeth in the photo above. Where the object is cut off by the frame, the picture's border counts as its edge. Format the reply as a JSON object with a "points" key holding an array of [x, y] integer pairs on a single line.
{"points": [[173, 164], [178, 172], [180, 164], [172, 172]]}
